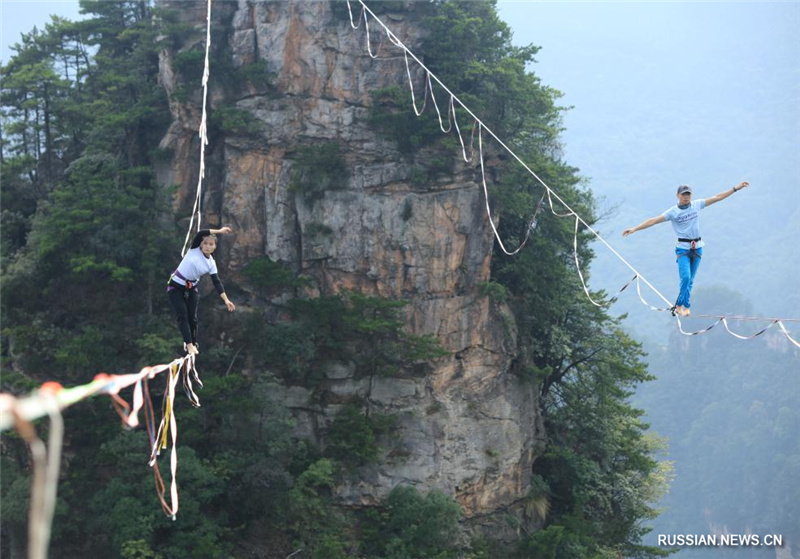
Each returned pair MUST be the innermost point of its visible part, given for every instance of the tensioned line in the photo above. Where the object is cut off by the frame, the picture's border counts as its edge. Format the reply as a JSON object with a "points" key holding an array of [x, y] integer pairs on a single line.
{"points": [[397, 42], [202, 132], [365, 12]]}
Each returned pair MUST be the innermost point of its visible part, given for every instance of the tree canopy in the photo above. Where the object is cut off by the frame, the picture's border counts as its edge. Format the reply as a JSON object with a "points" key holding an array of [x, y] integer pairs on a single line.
{"points": [[86, 236]]}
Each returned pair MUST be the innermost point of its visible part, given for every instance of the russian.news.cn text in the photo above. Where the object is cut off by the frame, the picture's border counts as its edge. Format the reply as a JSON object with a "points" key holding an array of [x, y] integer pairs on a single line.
{"points": [[720, 540]]}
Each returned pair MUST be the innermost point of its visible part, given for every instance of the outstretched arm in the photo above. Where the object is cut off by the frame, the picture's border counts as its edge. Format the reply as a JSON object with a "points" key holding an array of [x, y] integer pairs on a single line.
{"points": [[203, 233], [221, 290], [644, 225], [723, 195], [228, 302]]}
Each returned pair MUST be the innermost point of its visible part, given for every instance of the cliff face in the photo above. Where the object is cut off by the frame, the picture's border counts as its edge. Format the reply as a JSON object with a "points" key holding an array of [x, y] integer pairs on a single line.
{"points": [[469, 427]]}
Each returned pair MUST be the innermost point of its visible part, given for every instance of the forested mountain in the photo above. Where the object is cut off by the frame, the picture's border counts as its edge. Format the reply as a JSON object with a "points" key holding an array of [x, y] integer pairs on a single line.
{"points": [[391, 385]]}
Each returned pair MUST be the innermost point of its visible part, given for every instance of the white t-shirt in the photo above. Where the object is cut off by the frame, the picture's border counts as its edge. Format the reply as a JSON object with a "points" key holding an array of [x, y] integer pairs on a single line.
{"points": [[193, 266], [686, 222]]}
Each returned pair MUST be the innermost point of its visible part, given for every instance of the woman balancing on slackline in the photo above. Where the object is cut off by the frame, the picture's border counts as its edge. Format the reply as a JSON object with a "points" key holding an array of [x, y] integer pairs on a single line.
{"points": [[685, 218], [182, 288]]}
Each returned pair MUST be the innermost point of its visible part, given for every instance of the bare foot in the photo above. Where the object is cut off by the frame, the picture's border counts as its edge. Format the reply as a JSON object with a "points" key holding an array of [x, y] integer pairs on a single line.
{"points": [[686, 312], [680, 310], [191, 349]]}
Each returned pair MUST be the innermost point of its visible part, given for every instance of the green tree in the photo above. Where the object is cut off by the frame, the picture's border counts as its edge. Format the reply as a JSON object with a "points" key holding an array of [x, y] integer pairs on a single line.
{"points": [[94, 233], [315, 524], [412, 526], [353, 435]]}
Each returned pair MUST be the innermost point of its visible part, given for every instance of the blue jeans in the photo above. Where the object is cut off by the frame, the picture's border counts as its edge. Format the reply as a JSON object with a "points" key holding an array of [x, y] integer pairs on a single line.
{"points": [[687, 268]]}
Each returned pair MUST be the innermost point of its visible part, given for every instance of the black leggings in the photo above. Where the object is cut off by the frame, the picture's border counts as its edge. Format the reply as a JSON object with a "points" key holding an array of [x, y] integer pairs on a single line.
{"points": [[184, 304]]}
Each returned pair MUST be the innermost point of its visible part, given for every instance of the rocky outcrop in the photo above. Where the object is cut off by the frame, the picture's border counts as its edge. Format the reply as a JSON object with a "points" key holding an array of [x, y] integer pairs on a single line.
{"points": [[468, 427]]}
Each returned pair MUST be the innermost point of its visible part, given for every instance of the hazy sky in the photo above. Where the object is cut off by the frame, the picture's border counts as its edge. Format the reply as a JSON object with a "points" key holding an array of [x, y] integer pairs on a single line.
{"points": [[20, 16], [695, 55]]}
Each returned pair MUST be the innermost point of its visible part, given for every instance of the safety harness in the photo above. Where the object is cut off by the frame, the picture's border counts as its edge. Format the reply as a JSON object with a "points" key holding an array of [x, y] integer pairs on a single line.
{"points": [[693, 250], [189, 283]]}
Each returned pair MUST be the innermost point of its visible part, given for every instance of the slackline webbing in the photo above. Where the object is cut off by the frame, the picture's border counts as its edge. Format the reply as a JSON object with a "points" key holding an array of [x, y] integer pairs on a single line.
{"points": [[452, 124]]}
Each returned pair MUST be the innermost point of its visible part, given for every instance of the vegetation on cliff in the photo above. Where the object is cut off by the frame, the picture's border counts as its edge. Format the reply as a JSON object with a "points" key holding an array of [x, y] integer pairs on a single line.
{"points": [[599, 477], [84, 251]]}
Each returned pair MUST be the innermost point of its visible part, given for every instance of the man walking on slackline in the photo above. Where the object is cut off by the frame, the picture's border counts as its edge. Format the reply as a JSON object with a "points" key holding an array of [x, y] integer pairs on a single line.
{"points": [[685, 218]]}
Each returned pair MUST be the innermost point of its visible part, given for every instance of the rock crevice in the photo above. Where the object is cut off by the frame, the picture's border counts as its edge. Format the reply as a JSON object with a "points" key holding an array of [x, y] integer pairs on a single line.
{"points": [[468, 427]]}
